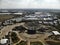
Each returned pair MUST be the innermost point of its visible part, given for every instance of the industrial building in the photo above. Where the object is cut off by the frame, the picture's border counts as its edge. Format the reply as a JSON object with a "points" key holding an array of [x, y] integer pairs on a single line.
{"points": [[44, 18], [55, 32], [3, 41]]}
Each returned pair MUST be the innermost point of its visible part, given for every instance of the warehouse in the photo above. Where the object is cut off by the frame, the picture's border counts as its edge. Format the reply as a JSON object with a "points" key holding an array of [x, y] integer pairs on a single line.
{"points": [[44, 18], [3, 41], [55, 32]]}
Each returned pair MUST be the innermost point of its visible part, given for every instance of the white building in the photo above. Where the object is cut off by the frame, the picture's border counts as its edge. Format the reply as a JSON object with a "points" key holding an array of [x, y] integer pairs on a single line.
{"points": [[55, 32], [8, 22], [38, 12], [3, 41], [18, 13], [16, 19]]}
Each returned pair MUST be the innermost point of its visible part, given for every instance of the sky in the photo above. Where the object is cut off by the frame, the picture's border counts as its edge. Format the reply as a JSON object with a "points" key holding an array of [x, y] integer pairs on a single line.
{"points": [[39, 4]]}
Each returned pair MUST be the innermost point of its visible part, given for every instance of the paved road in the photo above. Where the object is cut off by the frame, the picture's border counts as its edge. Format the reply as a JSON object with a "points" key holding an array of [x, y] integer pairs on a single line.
{"points": [[8, 28]]}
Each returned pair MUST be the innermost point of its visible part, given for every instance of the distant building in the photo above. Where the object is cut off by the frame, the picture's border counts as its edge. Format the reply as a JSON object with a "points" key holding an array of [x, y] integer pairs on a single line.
{"points": [[45, 18], [8, 22], [38, 12], [18, 13], [16, 19]]}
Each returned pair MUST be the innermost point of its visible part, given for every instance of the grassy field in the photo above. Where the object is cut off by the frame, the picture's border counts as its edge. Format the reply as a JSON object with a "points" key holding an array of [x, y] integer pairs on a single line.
{"points": [[5, 17]]}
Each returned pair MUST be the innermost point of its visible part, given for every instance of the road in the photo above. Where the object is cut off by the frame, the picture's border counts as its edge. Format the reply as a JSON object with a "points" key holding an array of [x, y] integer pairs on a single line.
{"points": [[8, 28]]}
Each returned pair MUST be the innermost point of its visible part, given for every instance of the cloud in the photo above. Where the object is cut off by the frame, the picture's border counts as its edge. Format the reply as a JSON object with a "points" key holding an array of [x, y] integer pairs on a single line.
{"points": [[30, 4]]}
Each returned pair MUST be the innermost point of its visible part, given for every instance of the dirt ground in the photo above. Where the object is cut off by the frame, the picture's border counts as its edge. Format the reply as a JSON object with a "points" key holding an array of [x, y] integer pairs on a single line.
{"points": [[5, 17], [24, 36]]}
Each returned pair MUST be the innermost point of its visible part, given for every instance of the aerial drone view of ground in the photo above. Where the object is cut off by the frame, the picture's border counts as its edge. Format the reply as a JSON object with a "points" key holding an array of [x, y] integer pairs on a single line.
{"points": [[5, 17], [30, 32]]}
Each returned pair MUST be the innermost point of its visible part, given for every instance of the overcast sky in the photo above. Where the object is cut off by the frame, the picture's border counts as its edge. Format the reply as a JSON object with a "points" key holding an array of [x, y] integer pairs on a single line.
{"points": [[50, 4]]}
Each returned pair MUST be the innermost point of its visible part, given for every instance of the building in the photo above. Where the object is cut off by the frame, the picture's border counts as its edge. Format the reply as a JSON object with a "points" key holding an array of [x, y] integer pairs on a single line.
{"points": [[55, 32], [16, 19], [7, 22], [3, 41], [18, 13], [30, 17], [45, 18], [38, 12], [31, 30]]}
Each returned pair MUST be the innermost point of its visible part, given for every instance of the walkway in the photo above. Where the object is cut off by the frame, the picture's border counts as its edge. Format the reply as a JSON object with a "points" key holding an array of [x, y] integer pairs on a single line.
{"points": [[8, 28]]}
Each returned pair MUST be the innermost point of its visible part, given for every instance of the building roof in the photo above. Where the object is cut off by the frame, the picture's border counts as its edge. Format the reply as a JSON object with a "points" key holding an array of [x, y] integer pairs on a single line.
{"points": [[56, 32], [3, 41], [47, 18], [18, 13]]}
